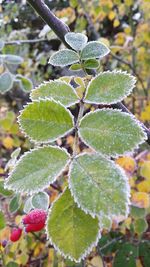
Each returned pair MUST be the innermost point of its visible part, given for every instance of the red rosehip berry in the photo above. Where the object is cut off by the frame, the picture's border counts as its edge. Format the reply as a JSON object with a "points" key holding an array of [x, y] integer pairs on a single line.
{"points": [[34, 227], [15, 234], [35, 217]]}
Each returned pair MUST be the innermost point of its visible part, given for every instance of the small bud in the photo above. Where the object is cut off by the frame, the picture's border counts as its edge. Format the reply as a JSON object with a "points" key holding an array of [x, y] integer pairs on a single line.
{"points": [[15, 234], [34, 227], [4, 243], [35, 217]]}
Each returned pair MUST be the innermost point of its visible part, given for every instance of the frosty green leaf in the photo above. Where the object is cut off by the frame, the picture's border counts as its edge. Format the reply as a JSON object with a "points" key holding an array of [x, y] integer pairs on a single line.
{"points": [[63, 58], [40, 201], [6, 82], [12, 59], [76, 40], [28, 205], [126, 255], [110, 87], [45, 120], [94, 49], [90, 180], [111, 132], [37, 169], [72, 232], [58, 90]]}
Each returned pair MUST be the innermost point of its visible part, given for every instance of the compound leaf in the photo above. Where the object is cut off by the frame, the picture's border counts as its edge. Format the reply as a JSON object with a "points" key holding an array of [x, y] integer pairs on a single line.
{"points": [[59, 90], [94, 49], [76, 40], [37, 169], [70, 230], [45, 120], [110, 87], [111, 132], [63, 58], [90, 180]]}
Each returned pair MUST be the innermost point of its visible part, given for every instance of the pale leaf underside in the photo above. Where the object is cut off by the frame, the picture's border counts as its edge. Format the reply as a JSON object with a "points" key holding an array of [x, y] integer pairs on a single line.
{"points": [[76, 40], [37, 169], [99, 186], [111, 132], [72, 232]]}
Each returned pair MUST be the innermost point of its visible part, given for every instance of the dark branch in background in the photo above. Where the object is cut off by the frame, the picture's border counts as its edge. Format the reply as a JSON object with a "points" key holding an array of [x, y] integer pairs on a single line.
{"points": [[60, 30], [50, 19]]}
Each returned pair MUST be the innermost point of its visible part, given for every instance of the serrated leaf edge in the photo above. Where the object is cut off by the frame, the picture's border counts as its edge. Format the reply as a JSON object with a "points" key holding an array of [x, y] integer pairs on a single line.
{"points": [[28, 192], [59, 81], [115, 155], [105, 54], [63, 65], [87, 251], [49, 140], [119, 99], [87, 211]]}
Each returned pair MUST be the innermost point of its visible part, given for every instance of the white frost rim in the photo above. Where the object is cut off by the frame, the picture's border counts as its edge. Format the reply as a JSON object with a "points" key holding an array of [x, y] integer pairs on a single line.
{"points": [[87, 251], [50, 139], [29, 192], [115, 155]]}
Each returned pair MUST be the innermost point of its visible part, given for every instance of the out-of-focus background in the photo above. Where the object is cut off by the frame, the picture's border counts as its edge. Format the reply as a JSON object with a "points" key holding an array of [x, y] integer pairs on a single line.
{"points": [[26, 44]]}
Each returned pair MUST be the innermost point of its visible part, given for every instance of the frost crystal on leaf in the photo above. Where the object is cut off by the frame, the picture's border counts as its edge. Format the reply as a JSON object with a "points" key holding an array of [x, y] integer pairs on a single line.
{"points": [[37, 169], [99, 186], [94, 49], [58, 90], [45, 120], [63, 58], [71, 231], [111, 132], [110, 87], [76, 40]]}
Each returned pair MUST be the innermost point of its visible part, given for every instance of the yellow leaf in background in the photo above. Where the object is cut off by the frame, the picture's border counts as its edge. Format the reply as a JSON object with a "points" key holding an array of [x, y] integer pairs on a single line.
{"points": [[128, 222], [144, 186], [132, 181], [111, 15], [8, 142], [138, 263], [1, 170], [96, 262], [127, 30], [145, 170], [141, 200], [116, 23], [129, 2], [145, 115], [127, 163], [104, 41]]}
